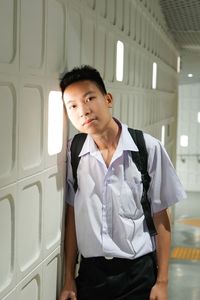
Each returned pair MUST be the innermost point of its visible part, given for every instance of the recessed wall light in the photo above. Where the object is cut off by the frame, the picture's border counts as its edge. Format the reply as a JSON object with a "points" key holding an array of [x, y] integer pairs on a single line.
{"points": [[178, 64], [190, 75], [154, 76], [120, 61], [198, 117], [55, 123], [163, 135]]}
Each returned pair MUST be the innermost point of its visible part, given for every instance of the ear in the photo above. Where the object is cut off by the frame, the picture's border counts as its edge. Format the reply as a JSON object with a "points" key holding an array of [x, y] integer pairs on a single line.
{"points": [[109, 99]]}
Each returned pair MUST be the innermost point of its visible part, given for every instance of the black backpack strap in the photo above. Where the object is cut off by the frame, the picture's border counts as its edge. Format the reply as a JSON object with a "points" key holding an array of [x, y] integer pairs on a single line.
{"points": [[141, 160], [76, 146]]}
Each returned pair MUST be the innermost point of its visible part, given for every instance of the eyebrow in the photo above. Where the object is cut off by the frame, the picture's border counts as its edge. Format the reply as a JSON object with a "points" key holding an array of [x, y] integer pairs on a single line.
{"points": [[88, 93], [84, 95]]}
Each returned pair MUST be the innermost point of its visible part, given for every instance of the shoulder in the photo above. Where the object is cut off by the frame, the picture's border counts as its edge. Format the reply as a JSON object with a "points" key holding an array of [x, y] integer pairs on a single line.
{"points": [[155, 148], [151, 142]]}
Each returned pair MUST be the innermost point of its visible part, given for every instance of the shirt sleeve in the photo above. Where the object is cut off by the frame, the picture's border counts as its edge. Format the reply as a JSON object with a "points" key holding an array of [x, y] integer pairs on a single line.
{"points": [[70, 193], [165, 187]]}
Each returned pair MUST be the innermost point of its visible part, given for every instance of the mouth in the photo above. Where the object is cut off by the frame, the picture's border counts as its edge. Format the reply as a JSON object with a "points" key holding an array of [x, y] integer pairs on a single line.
{"points": [[87, 122]]}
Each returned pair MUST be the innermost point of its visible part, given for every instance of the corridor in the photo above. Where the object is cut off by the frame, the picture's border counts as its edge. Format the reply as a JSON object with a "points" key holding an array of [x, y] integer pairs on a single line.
{"points": [[185, 255]]}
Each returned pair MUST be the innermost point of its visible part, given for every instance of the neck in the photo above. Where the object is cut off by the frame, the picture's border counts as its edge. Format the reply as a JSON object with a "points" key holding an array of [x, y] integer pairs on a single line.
{"points": [[109, 138]]}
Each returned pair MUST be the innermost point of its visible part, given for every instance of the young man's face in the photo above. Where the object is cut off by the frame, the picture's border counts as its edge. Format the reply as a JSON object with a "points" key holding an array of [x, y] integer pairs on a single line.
{"points": [[87, 108]]}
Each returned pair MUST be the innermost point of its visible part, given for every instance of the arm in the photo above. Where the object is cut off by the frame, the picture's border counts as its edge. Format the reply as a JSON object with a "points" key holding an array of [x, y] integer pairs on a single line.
{"points": [[162, 224], [69, 289]]}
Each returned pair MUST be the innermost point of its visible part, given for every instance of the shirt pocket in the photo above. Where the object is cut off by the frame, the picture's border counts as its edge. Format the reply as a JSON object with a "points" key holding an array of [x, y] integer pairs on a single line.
{"points": [[130, 199]]}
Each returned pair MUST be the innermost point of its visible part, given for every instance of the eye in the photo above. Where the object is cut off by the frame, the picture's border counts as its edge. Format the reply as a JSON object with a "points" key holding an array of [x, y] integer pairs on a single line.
{"points": [[89, 99], [73, 106]]}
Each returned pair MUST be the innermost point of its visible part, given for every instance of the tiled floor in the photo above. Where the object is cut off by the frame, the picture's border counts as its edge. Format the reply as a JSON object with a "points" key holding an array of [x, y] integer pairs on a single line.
{"points": [[184, 279]]}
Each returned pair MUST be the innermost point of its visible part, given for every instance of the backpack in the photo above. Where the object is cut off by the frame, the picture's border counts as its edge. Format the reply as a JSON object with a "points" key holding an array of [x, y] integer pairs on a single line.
{"points": [[139, 158]]}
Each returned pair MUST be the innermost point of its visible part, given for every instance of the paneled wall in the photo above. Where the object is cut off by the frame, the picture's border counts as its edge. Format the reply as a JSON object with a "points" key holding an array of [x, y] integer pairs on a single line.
{"points": [[31, 181], [141, 28], [38, 40]]}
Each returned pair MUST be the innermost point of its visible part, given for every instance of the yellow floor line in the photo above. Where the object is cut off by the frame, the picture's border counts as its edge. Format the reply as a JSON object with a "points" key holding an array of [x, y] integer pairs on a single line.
{"points": [[186, 253], [193, 222]]}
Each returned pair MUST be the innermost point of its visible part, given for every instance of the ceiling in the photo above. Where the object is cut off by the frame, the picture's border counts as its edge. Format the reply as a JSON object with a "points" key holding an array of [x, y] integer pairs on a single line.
{"points": [[183, 22]]}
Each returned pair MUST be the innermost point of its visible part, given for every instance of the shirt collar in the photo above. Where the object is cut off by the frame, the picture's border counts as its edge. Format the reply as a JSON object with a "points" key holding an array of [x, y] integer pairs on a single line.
{"points": [[126, 142]]}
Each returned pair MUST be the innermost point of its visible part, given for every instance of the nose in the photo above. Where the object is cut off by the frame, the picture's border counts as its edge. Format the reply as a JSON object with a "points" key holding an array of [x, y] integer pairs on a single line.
{"points": [[84, 110]]}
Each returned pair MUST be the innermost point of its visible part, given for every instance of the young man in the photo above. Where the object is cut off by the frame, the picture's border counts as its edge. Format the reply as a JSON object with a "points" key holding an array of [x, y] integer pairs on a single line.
{"points": [[105, 221]]}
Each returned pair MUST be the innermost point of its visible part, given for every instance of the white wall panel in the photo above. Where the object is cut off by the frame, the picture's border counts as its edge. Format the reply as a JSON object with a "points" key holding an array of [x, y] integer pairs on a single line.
{"points": [[132, 67], [126, 63], [131, 107], [73, 38], [87, 47], [29, 223], [116, 105], [8, 123], [110, 57], [90, 3], [100, 49], [55, 35], [137, 68], [50, 276], [32, 52], [52, 209], [101, 7], [8, 32], [111, 11], [120, 14], [7, 238], [31, 287], [138, 25], [124, 108], [31, 129], [133, 21], [127, 17], [11, 296]]}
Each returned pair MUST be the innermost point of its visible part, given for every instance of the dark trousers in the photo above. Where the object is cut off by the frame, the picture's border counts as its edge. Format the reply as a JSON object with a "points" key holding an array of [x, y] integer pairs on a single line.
{"points": [[116, 279]]}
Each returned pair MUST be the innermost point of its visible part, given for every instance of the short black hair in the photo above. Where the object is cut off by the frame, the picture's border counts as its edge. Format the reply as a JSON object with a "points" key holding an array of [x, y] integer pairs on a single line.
{"points": [[81, 73]]}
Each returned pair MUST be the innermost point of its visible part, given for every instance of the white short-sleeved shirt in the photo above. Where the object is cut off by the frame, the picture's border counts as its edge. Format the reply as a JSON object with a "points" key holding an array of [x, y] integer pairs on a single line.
{"points": [[108, 213]]}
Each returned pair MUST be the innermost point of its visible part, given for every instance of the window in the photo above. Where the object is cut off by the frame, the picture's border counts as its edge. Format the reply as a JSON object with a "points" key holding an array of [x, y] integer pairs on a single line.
{"points": [[184, 141], [120, 61], [55, 123], [154, 76]]}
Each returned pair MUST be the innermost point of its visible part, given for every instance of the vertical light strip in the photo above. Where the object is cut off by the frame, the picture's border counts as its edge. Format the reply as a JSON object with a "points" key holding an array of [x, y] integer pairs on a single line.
{"points": [[163, 135], [120, 61], [154, 76], [178, 64], [198, 117], [55, 123]]}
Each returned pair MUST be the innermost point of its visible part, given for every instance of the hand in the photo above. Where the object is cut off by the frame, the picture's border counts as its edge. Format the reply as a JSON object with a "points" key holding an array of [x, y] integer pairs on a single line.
{"points": [[65, 295], [69, 291], [159, 291]]}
